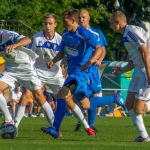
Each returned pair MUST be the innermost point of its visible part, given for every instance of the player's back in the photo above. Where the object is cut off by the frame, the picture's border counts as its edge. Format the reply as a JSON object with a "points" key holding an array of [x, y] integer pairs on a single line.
{"points": [[134, 37]]}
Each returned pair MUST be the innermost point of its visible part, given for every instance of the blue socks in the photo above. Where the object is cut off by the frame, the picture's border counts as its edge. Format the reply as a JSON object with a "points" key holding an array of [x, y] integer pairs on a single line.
{"points": [[60, 113], [97, 102]]}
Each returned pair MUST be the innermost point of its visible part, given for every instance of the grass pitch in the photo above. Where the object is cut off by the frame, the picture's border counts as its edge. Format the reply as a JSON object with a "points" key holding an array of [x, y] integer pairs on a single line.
{"points": [[113, 134]]}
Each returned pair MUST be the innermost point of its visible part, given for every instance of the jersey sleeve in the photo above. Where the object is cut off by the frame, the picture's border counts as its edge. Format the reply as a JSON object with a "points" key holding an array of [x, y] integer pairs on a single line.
{"points": [[137, 38], [89, 37], [102, 41]]}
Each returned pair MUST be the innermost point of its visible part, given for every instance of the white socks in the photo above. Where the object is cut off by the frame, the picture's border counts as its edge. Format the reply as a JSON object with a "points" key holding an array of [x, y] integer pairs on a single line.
{"points": [[19, 115], [48, 112], [138, 122], [4, 108], [78, 113]]}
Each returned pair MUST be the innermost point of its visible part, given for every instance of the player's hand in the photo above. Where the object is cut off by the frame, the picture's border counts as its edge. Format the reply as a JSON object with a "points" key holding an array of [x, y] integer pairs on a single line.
{"points": [[86, 65], [10, 48], [117, 70], [50, 64], [98, 63]]}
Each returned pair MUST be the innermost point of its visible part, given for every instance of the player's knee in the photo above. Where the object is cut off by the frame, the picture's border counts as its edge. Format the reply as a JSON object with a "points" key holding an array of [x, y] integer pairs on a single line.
{"points": [[139, 110], [85, 104], [63, 92]]}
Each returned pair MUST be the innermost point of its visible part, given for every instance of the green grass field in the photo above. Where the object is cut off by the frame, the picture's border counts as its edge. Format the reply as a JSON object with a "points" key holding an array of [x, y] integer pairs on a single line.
{"points": [[113, 134]]}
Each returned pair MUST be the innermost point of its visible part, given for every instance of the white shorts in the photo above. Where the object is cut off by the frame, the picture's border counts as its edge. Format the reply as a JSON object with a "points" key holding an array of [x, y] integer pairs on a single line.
{"points": [[27, 78], [54, 82], [138, 83]]}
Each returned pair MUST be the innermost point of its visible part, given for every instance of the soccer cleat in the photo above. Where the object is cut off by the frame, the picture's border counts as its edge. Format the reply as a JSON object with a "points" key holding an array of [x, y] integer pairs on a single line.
{"points": [[59, 133], [141, 139], [52, 131], [90, 132], [119, 100]]}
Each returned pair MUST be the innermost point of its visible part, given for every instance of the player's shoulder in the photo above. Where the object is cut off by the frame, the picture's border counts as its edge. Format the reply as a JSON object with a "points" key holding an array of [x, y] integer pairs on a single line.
{"points": [[38, 34], [8, 32], [133, 29], [57, 35]]}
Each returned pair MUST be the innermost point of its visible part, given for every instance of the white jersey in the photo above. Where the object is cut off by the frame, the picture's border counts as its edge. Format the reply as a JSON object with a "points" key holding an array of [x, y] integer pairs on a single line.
{"points": [[19, 63], [18, 56], [134, 37], [46, 50]]}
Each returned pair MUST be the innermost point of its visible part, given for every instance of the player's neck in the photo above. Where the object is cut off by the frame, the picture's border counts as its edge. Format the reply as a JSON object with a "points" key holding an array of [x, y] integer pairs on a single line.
{"points": [[74, 28], [49, 35], [87, 26]]}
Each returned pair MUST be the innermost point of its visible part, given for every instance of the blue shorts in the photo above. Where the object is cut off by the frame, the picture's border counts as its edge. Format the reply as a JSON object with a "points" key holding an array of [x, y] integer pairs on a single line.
{"points": [[95, 80], [82, 87]]}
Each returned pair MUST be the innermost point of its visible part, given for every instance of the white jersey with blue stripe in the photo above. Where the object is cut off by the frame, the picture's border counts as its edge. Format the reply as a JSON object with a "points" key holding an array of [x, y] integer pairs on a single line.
{"points": [[18, 56], [77, 48], [46, 50], [134, 37]]}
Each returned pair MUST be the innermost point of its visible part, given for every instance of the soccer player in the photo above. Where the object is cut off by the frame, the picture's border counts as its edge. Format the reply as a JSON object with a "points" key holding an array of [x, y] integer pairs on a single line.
{"points": [[15, 98], [137, 44], [95, 81], [45, 44], [20, 70], [76, 46]]}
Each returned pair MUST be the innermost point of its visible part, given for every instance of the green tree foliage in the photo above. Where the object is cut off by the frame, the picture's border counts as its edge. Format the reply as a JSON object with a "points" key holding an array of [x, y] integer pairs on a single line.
{"points": [[31, 13]]}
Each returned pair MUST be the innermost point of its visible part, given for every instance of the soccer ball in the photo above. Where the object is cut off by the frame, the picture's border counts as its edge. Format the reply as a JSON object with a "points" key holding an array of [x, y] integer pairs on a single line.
{"points": [[8, 131]]}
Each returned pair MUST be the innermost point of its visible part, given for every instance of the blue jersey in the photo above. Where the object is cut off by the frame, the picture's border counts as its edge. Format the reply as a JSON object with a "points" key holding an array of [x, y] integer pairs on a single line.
{"points": [[95, 81], [77, 47], [99, 36]]}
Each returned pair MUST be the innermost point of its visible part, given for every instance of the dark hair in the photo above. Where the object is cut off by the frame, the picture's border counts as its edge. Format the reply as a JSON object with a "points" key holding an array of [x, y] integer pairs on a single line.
{"points": [[71, 14]]}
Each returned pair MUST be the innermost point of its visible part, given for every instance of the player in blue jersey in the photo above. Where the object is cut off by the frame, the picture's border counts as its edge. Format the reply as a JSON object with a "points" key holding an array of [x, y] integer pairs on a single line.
{"points": [[95, 81], [137, 45], [76, 46]]}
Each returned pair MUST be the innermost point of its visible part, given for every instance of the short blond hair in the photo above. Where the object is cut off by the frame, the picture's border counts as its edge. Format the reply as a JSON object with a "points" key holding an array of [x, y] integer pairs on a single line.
{"points": [[50, 15]]}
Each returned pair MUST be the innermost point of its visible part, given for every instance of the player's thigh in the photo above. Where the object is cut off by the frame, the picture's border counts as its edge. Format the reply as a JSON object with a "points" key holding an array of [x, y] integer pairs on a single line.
{"points": [[130, 100], [139, 106], [3, 86], [85, 103]]}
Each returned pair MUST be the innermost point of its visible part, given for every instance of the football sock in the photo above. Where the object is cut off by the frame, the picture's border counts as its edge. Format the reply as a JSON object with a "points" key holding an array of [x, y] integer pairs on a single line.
{"points": [[138, 122], [48, 113], [95, 102], [78, 113], [4, 108], [59, 113], [19, 115]]}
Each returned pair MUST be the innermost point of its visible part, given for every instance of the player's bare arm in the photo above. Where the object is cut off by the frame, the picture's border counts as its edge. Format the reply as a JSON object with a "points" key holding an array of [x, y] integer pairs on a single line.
{"points": [[23, 42], [98, 52], [58, 57], [119, 70], [102, 56], [146, 59]]}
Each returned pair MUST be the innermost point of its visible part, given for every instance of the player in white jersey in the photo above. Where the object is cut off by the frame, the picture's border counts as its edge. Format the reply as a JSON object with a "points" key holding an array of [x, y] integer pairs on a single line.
{"points": [[137, 44], [46, 45], [20, 70], [15, 98]]}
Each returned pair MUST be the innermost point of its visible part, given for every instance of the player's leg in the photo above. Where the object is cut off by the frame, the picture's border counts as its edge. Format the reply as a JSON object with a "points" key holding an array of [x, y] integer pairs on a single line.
{"points": [[3, 103], [21, 107]]}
